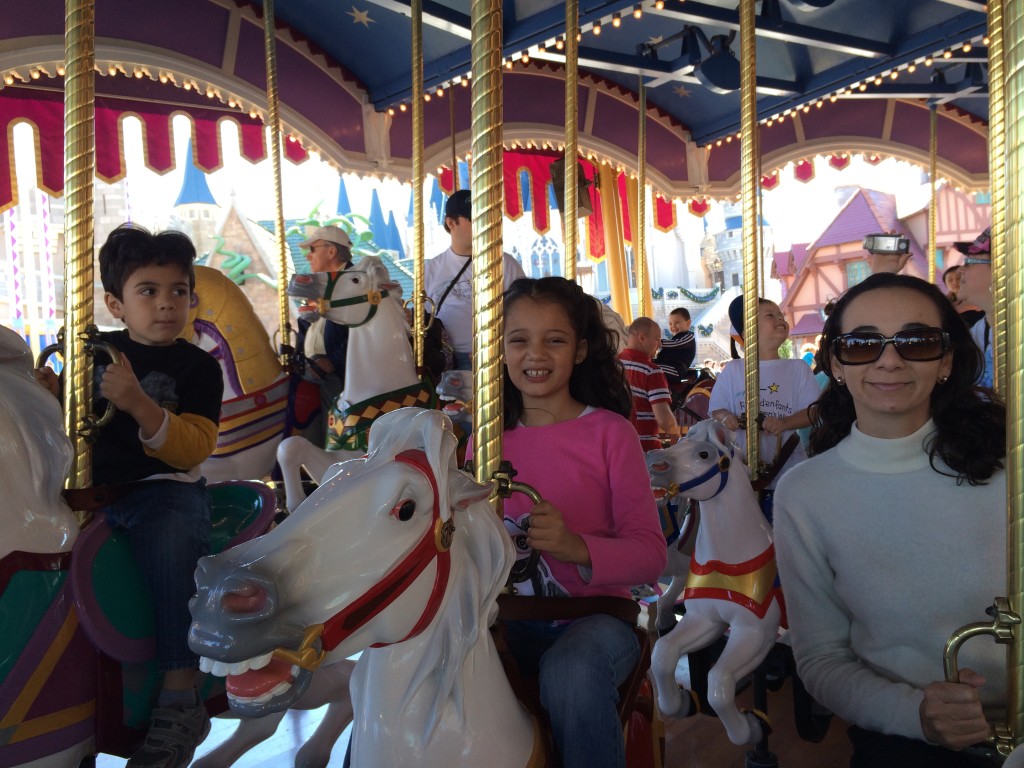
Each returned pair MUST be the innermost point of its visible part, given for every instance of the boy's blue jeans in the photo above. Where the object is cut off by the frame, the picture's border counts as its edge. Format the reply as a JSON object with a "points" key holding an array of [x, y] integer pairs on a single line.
{"points": [[168, 524], [581, 665]]}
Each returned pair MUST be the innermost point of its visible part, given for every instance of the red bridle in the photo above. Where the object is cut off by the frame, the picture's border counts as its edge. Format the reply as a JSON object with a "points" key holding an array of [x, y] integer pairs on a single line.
{"points": [[433, 546]]}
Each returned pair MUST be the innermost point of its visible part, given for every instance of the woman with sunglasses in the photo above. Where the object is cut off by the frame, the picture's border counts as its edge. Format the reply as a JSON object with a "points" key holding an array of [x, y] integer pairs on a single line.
{"points": [[893, 534], [976, 288]]}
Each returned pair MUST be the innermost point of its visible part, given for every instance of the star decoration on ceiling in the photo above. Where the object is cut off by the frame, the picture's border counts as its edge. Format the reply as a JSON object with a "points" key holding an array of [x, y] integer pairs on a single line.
{"points": [[682, 91], [360, 17]]}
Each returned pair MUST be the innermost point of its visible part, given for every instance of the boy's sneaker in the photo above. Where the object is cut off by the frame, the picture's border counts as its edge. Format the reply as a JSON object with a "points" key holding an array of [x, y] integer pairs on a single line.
{"points": [[174, 733]]}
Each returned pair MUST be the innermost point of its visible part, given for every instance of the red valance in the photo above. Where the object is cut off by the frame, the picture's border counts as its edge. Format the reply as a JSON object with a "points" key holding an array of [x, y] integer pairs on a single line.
{"points": [[44, 110]]}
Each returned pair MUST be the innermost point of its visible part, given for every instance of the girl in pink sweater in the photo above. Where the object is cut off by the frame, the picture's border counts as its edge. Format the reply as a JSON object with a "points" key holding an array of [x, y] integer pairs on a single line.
{"points": [[568, 435]]}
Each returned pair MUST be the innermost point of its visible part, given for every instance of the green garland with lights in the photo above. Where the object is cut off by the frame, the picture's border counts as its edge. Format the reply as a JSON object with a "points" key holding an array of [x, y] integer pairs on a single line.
{"points": [[675, 293]]}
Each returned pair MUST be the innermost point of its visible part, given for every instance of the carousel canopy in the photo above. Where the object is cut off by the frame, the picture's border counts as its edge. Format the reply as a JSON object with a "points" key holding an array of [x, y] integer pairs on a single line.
{"points": [[834, 77]]}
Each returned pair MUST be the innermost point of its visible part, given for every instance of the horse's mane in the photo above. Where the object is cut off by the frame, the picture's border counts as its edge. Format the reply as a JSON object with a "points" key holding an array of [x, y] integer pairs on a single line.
{"points": [[36, 452], [481, 554]]}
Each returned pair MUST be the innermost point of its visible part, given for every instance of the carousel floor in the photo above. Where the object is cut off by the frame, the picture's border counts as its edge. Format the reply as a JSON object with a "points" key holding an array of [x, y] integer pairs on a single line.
{"points": [[697, 742]]}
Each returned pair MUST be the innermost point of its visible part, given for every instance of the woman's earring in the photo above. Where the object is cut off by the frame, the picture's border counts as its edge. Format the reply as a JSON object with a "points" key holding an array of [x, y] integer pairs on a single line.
{"points": [[839, 380], [943, 379]]}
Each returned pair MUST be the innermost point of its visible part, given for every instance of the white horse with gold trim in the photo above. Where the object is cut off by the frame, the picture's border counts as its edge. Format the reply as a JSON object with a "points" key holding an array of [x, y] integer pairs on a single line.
{"points": [[380, 371], [398, 555], [732, 580]]}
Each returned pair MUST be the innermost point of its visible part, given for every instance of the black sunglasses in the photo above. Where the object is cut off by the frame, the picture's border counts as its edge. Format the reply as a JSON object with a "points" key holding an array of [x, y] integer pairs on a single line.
{"points": [[918, 345]]}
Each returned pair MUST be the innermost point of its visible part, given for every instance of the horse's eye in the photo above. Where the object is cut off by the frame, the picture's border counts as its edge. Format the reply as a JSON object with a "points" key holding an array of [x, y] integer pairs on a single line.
{"points": [[355, 280], [404, 511], [705, 454]]}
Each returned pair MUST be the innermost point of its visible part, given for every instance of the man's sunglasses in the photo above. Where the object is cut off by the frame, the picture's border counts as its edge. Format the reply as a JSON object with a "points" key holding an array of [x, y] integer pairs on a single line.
{"points": [[976, 260], [918, 345]]}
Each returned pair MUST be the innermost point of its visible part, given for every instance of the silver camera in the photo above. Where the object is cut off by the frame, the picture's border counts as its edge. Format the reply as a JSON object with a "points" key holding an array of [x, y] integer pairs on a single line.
{"points": [[894, 244]]}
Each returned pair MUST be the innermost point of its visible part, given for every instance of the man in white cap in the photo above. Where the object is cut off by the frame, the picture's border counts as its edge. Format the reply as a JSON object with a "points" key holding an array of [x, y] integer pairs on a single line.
{"points": [[322, 343], [448, 278]]}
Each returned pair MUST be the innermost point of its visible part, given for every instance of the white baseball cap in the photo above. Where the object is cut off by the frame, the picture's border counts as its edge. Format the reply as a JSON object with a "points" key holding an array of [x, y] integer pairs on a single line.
{"points": [[330, 234]]}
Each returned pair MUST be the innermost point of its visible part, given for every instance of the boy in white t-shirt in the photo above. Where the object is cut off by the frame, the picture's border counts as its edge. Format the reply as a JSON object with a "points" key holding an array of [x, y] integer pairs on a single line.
{"points": [[787, 389]]}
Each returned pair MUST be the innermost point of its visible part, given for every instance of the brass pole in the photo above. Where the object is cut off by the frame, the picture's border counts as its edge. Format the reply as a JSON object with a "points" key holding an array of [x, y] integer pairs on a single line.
{"points": [[486, 186], [274, 123], [1008, 263], [933, 178], [749, 152], [997, 159], [451, 121], [643, 282], [79, 276], [419, 292], [570, 214]]}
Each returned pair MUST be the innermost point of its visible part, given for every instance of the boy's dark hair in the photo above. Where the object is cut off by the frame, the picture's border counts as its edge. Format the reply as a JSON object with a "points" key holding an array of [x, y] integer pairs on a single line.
{"points": [[130, 247], [599, 380], [970, 421], [683, 312]]}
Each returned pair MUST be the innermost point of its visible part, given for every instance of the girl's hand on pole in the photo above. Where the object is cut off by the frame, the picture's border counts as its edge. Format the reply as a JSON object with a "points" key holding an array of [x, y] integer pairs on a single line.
{"points": [[548, 533]]}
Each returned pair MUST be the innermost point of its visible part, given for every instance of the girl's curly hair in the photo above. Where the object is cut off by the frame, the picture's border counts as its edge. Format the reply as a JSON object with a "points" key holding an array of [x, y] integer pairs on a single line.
{"points": [[599, 380]]}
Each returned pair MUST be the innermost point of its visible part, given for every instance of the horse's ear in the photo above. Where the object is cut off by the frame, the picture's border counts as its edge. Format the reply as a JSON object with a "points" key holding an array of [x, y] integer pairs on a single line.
{"points": [[719, 435], [463, 490]]}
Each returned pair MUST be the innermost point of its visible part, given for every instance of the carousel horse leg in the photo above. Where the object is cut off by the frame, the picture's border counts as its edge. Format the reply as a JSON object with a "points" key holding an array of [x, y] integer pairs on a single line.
{"points": [[295, 454], [746, 648], [250, 732], [692, 632]]}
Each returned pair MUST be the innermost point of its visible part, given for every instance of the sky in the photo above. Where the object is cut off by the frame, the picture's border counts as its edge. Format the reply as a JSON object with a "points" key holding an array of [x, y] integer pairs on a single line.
{"points": [[797, 212]]}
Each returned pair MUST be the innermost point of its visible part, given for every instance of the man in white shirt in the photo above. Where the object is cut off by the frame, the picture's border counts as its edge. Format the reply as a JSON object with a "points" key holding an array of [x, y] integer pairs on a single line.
{"points": [[448, 278]]}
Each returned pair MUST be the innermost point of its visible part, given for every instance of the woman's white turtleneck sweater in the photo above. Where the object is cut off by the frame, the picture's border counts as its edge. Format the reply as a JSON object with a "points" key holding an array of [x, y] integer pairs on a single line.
{"points": [[881, 558]]}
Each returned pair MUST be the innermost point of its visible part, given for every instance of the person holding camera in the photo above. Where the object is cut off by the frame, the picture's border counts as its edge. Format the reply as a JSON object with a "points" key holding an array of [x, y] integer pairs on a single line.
{"points": [[889, 251], [976, 289]]}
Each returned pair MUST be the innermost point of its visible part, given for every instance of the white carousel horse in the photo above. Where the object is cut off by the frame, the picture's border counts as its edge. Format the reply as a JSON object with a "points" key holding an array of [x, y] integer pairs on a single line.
{"points": [[680, 537], [397, 555], [254, 413], [51, 717], [732, 576], [35, 456], [380, 371]]}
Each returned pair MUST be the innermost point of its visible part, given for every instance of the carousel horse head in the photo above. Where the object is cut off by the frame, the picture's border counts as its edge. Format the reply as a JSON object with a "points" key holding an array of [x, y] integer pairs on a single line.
{"points": [[697, 466], [351, 297], [35, 457], [395, 547]]}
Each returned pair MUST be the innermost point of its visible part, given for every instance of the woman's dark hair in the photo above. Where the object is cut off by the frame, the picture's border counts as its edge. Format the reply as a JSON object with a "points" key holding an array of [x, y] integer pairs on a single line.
{"points": [[130, 247], [970, 420], [599, 380]]}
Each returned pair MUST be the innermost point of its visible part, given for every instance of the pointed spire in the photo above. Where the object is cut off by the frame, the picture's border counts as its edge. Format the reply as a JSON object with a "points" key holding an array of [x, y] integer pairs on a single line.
{"points": [[194, 189], [395, 237], [378, 226], [344, 206], [436, 201]]}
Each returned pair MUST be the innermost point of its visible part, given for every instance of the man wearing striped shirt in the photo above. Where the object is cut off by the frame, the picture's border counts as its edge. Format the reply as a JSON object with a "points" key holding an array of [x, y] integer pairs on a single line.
{"points": [[652, 413]]}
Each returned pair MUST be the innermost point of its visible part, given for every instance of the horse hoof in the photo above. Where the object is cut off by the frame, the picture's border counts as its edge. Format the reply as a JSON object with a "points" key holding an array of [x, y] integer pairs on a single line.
{"points": [[760, 725]]}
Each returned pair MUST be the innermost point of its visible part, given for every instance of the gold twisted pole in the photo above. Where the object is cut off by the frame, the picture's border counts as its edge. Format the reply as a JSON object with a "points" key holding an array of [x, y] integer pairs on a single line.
{"points": [[418, 326], [1008, 264], [79, 277], [486, 186], [749, 152], [274, 123], [933, 178], [997, 184], [451, 123], [643, 282], [571, 187]]}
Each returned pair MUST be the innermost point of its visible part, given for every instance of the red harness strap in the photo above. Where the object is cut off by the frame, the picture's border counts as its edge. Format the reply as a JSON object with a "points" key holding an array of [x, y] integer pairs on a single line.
{"points": [[402, 575]]}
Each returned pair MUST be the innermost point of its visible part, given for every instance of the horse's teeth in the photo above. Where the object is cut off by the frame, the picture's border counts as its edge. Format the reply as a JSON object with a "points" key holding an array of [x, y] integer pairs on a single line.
{"points": [[261, 661], [205, 664], [220, 669]]}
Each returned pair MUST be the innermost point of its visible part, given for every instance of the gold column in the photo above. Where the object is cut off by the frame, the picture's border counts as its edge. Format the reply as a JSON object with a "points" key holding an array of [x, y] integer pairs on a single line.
{"points": [[643, 282], [274, 123], [79, 276], [1008, 263], [749, 152], [997, 184], [451, 120], [418, 329], [933, 178], [486, 186], [570, 237]]}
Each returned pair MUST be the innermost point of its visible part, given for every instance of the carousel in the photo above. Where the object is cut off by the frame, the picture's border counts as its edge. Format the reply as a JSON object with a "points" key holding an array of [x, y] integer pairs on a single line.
{"points": [[662, 106]]}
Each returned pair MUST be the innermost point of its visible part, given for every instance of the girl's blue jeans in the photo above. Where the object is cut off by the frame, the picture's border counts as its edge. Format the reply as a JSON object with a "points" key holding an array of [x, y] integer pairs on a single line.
{"points": [[581, 665], [168, 525]]}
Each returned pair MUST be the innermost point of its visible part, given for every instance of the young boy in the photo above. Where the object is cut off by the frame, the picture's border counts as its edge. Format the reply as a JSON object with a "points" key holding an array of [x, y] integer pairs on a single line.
{"points": [[676, 354], [787, 389], [168, 398]]}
